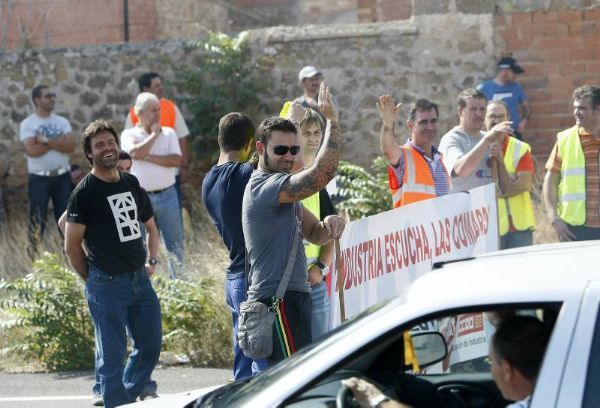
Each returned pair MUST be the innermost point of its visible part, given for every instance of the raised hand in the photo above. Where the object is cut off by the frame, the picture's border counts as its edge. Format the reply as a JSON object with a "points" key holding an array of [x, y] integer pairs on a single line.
{"points": [[496, 133], [155, 128], [325, 103], [296, 112], [387, 110]]}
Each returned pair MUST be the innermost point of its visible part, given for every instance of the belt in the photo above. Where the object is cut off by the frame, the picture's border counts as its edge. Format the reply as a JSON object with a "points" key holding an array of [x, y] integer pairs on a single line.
{"points": [[51, 173], [158, 191]]}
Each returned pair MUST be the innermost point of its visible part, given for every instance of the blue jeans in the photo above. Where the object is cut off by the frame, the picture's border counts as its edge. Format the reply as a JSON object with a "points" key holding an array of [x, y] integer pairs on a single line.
{"points": [[167, 215], [121, 305], [516, 239], [583, 233], [320, 310], [41, 190], [235, 293]]}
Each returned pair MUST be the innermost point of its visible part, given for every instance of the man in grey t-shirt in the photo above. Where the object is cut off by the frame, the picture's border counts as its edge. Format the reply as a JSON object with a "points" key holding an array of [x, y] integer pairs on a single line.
{"points": [[47, 139], [272, 216], [468, 151]]}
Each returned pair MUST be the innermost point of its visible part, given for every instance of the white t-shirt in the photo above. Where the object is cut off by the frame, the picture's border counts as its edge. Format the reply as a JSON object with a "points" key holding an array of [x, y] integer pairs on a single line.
{"points": [[454, 145], [52, 127], [152, 177]]}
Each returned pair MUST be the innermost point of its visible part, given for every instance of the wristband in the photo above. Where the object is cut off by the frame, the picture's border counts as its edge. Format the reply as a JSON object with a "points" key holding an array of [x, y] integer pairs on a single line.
{"points": [[378, 400]]}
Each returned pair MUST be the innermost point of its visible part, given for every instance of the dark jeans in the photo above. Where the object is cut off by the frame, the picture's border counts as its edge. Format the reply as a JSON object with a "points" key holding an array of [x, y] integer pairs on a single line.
{"points": [[516, 239], [583, 233], [235, 293], [41, 190], [297, 307], [121, 305]]}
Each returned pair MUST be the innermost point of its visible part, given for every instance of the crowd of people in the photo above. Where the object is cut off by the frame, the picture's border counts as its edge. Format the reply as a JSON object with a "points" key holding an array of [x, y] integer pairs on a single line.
{"points": [[115, 216]]}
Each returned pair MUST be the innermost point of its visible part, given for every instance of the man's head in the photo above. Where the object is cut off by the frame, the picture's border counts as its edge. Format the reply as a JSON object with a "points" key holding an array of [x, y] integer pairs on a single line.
{"points": [[507, 70], [236, 131], [151, 82], [423, 116], [471, 105], [586, 107], [43, 98], [101, 144], [310, 80], [125, 162], [277, 145], [516, 355], [147, 108], [311, 132], [497, 112]]}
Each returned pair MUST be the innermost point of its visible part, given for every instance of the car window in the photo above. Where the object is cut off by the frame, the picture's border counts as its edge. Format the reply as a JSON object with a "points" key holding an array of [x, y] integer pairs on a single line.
{"points": [[468, 337], [591, 396]]}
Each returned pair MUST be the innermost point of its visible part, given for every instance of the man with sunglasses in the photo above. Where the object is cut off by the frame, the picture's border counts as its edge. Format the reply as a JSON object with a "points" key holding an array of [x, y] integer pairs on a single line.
{"points": [[47, 139], [272, 216]]}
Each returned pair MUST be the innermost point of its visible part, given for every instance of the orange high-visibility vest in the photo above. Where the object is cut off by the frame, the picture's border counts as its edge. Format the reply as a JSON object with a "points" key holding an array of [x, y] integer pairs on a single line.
{"points": [[417, 183], [167, 114]]}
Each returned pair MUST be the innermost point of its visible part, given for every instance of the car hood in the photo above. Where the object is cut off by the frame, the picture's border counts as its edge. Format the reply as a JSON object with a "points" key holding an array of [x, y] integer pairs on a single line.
{"points": [[174, 400]]}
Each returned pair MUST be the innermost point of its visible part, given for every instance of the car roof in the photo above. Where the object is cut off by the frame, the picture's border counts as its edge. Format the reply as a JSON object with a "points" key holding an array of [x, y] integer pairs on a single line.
{"points": [[524, 274]]}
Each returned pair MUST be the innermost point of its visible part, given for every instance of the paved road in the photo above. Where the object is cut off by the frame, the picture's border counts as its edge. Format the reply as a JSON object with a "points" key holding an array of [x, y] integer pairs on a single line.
{"points": [[73, 390]]}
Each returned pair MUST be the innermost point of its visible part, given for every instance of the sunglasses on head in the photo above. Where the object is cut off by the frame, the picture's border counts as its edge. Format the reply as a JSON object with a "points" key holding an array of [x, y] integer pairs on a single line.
{"points": [[280, 150]]}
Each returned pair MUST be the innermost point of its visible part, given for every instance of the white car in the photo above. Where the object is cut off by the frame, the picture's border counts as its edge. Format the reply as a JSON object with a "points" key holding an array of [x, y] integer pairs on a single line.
{"points": [[558, 283]]}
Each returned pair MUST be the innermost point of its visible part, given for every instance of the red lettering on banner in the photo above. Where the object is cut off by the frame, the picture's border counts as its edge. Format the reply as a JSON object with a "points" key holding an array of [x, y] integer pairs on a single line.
{"points": [[470, 323]]}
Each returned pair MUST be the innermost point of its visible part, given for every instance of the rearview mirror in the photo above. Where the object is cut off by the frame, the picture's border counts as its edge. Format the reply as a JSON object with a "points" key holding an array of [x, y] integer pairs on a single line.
{"points": [[429, 348]]}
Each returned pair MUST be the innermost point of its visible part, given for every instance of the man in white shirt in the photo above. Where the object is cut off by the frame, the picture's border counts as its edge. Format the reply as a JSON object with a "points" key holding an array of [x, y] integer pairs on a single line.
{"points": [[47, 139], [156, 155]]}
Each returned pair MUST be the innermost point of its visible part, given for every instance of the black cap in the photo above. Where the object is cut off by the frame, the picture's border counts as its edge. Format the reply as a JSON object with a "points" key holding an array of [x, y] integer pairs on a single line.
{"points": [[509, 62]]}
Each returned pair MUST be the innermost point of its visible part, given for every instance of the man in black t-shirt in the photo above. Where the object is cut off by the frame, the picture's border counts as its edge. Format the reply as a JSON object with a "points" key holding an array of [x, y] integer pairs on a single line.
{"points": [[104, 214]]}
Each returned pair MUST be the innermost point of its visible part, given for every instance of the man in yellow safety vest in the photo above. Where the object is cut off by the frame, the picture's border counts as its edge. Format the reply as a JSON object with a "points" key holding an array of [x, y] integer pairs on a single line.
{"points": [[571, 186], [515, 211]]}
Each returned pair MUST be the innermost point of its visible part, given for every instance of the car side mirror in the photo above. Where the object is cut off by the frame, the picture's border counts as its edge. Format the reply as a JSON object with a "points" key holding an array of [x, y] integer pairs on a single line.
{"points": [[429, 348]]}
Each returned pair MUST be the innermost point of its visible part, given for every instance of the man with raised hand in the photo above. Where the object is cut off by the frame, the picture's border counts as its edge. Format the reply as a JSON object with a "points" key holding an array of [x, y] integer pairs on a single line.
{"points": [[273, 218], [104, 213], [571, 186], [516, 218], [469, 153], [416, 170]]}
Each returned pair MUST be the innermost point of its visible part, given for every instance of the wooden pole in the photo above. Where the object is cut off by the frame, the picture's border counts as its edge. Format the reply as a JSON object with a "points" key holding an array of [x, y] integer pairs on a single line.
{"points": [[340, 280]]}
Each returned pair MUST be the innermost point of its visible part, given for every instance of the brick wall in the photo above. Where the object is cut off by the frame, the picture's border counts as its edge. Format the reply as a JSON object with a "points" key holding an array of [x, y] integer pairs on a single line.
{"points": [[559, 50], [59, 23]]}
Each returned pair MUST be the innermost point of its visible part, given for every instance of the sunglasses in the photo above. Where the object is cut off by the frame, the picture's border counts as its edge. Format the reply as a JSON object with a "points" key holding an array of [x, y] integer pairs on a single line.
{"points": [[281, 150]]}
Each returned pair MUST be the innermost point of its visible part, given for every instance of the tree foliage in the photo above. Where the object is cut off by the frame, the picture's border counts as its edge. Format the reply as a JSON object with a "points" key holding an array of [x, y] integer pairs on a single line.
{"points": [[364, 193]]}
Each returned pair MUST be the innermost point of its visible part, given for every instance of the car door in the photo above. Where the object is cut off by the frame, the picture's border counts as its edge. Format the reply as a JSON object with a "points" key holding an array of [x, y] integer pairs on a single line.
{"points": [[580, 381]]}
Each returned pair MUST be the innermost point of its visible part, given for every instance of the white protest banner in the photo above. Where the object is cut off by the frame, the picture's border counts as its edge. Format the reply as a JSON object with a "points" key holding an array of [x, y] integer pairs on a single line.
{"points": [[384, 253]]}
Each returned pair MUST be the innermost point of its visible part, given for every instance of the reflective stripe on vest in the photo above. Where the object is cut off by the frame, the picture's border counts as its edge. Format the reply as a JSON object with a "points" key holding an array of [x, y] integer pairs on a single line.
{"points": [[517, 208], [417, 183], [313, 205], [167, 114], [571, 189]]}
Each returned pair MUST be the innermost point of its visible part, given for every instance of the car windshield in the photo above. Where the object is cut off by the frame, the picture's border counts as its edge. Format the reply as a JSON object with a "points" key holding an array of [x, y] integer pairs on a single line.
{"points": [[249, 387]]}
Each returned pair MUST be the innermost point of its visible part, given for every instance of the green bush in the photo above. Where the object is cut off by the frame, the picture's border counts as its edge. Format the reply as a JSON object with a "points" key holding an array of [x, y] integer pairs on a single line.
{"points": [[48, 311], [49, 305], [222, 79], [363, 193], [195, 321]]}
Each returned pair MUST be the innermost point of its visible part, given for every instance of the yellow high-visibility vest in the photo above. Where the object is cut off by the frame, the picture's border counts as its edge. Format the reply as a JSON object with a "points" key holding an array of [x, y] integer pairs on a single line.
{"points": [[571, 189], [313, 205], [518, 207]]}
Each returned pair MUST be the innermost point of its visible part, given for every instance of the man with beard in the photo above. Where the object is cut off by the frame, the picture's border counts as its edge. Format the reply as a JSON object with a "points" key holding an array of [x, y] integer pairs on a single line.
{"points": [[468, 151], [273, 218], [416, 171], [104, 213], [571, 184]]}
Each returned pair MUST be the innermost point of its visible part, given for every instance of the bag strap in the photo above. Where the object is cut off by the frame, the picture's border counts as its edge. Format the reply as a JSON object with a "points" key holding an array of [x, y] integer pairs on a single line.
{"points": [[287, 273]]}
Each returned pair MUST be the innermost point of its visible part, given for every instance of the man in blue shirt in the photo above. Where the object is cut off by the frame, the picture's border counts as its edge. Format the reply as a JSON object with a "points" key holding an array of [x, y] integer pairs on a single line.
{"points": [[504, 88], [222, 193]]}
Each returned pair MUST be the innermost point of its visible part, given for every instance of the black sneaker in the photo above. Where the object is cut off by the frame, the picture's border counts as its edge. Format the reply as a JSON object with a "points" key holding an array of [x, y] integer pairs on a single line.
{"points": [[148, 396]]}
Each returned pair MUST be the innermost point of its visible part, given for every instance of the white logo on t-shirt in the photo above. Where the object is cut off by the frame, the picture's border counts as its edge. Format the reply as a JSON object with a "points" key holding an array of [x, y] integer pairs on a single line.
{"points": [[502, 96], [124, 210]]}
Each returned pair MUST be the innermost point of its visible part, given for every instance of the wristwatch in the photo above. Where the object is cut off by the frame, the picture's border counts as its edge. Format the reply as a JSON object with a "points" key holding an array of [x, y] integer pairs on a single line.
{"points": [[378, 400], [324, 269], [152, 261]]}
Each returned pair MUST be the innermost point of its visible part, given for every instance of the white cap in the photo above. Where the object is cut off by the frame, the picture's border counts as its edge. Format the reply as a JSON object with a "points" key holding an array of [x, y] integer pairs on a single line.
{"points": [[308, 72]]}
